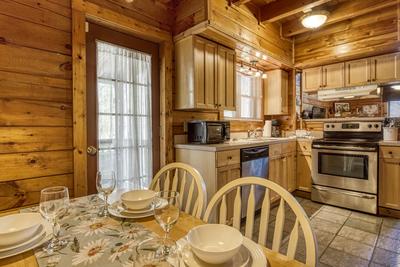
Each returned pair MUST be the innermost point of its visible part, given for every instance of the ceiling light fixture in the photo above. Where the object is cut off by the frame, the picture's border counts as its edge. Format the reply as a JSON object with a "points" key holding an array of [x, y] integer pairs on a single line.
{"points": [[264, 76], [314, 19]]}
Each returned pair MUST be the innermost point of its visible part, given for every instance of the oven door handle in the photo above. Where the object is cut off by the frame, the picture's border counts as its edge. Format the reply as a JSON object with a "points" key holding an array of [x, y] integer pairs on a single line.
{"points": [[353, 194], [345, 148]]}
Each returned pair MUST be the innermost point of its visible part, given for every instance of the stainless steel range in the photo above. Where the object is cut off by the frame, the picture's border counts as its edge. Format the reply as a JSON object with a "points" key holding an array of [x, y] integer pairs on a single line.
{"points": [[345, 165]]}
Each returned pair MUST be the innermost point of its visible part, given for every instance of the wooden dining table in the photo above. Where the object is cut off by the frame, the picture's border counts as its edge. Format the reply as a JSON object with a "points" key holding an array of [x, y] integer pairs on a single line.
{"points": [[182, 227]]}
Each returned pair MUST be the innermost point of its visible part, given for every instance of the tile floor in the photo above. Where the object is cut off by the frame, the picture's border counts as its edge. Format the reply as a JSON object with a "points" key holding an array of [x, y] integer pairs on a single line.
{"points": [[345, 238]]}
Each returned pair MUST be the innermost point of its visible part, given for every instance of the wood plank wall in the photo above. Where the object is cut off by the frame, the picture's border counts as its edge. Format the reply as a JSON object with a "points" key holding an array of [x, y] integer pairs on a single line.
{"points": [[35, 99], [367, 35]]}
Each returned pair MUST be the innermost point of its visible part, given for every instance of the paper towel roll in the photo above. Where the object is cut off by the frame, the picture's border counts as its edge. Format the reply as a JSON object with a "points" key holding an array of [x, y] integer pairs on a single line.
{"points": [[267, 129]]}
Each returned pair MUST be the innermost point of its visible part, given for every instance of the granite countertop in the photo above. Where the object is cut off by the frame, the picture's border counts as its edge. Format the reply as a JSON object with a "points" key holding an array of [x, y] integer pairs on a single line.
{"points": [[389, 143], [347, 119], [238, 144]]}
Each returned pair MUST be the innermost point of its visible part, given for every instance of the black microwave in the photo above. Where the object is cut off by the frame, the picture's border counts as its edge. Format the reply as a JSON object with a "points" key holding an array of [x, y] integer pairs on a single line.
{"points": [[208, 132]]}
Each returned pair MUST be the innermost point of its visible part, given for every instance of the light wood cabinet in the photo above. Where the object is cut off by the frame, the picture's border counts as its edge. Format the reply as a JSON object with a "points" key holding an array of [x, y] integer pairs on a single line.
{"points": [[226, 78], [282, 166], [303, 165], [225, 175], [205, 75], [357, 72], [385, 68], [276, 93], [389, 177], [311, 79], [333, 76]]}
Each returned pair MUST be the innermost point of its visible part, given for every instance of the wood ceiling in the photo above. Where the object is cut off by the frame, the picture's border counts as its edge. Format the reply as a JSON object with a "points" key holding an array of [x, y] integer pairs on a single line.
{"points": [[288, 12]]}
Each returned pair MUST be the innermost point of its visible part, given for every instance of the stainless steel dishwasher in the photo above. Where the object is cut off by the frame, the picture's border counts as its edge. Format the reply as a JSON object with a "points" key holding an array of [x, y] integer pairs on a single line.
{"points": [[254, 162]]}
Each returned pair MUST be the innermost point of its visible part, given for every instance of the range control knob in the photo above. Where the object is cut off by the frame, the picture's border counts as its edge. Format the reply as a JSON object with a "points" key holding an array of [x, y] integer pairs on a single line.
{"points": [[333, 126], [369, 125], [376, 125], [327, 126]]}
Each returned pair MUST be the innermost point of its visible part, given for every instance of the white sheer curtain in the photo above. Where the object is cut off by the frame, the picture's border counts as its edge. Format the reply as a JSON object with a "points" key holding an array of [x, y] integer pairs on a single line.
{"points": [[124, 114]]}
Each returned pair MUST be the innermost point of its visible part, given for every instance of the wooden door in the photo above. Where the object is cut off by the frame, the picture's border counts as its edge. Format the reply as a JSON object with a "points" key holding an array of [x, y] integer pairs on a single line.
{"points": [[226, 78], [225, 175], [303, 172], [205, 73], [357, 72], [385, 68], [105, 88], [333, 76], [312, 79], [389, 183]]}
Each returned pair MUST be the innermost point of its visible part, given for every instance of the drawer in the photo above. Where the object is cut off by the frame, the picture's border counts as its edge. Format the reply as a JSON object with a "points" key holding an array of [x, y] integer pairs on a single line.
{"points": [[275, 150], [288, 147], [225, 158], [304, 147], [390, 152]]}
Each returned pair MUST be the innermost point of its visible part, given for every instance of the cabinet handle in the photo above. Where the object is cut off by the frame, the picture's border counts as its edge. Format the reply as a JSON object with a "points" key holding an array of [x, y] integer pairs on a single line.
{"points": [[230, 157], [390, 152]]}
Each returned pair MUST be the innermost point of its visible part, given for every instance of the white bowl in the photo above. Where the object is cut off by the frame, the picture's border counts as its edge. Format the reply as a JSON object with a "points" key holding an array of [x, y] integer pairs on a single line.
{"points": [[215, 243], [138, 199], [17, 228]]}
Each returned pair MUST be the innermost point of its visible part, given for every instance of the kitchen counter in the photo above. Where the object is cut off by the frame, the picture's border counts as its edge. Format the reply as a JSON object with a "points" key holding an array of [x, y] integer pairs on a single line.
{"points": [[389, 143], [238, 144], [346, 119]]}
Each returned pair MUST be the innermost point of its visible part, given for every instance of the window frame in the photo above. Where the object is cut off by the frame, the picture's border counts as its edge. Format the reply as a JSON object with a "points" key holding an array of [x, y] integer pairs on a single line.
{"points": [[239, 97]]}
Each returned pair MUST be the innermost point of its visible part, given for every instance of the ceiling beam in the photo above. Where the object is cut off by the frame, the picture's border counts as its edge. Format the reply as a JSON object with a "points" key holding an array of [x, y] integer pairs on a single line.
{"points": [[285, 8], [341, 12], [240, 2]]}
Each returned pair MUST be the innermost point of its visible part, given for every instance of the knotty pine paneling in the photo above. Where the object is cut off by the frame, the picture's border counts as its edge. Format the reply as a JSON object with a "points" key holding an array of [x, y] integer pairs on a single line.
{"points": [[371, 34], [35, 99], [18, 166], [36, 13], [14, 194], [34, 139], [17, 112]]}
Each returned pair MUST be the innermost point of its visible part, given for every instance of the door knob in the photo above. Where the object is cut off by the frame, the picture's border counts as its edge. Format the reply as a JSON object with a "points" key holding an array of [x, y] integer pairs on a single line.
{"points": [[91, 150]]}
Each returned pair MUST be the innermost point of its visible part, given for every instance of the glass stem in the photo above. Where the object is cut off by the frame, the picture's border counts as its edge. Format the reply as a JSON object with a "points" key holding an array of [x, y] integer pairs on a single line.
{"points": [[106, 204], [55, 229]]}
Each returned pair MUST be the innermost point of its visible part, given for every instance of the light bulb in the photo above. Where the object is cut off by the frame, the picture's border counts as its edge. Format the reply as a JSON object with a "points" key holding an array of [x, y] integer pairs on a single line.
{"points": [[264, 76]]}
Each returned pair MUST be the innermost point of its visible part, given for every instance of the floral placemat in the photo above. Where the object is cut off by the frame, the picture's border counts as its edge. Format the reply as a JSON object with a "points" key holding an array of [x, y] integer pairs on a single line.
{"points": [[94, 241]]}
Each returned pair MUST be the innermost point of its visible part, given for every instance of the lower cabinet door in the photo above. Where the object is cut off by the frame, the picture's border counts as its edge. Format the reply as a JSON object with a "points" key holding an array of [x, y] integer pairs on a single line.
{"points": [[303, 172], [225, 175], [389, 183]]}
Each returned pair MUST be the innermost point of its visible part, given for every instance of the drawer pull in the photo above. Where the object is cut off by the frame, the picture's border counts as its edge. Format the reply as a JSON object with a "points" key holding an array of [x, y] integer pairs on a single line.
{"points": [[230, 157], [390, 152]]}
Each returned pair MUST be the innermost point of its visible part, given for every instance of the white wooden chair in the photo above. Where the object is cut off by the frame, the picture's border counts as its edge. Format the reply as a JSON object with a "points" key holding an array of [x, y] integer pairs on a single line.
{"points": [[187, 181], [285, 197]]}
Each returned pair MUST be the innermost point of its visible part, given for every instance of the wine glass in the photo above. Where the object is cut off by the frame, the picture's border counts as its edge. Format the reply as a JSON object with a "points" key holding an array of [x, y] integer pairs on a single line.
{"points": [[105, 184], [54, 202], [166, 213]]}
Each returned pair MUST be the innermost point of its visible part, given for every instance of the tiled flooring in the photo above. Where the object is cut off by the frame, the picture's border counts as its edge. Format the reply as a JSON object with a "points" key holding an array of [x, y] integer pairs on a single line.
{"points": [[345, 238]]}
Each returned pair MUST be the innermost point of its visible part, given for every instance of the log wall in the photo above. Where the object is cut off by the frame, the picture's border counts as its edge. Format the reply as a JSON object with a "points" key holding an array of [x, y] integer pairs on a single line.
{"points": [[35, 99]]}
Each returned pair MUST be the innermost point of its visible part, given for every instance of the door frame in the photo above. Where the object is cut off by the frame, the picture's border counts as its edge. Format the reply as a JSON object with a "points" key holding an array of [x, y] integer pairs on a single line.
{"points": [[83, 11]]}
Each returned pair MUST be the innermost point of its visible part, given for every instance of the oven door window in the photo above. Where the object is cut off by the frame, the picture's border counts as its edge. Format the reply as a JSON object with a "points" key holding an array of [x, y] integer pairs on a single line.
{"points": [[214, 132], [349, 166]]}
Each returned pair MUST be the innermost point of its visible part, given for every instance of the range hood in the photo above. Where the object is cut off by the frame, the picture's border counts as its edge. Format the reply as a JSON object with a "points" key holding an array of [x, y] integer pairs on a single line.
{"points": [[349, 93]]}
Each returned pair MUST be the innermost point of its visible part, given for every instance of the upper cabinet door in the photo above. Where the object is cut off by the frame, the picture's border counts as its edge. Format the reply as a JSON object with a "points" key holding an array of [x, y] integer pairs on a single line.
{"points": [[333, 76], [312, 79], [226, 78], [205, 73], [385, 68], [357, 72]]}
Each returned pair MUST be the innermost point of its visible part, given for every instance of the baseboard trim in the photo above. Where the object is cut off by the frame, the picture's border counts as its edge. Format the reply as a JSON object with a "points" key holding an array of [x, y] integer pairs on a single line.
{"points": [[303, 194], [383, 211]]}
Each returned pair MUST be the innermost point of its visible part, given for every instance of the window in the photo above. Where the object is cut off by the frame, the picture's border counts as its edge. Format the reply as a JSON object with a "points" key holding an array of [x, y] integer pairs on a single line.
{"points": [[124, 114], [394, 109], [249, 98]]}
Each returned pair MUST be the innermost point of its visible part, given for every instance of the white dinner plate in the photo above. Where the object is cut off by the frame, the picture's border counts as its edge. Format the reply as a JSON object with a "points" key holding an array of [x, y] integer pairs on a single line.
{"points": [[117, 210], [44, 237], [39, 232], [249, 255]]}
